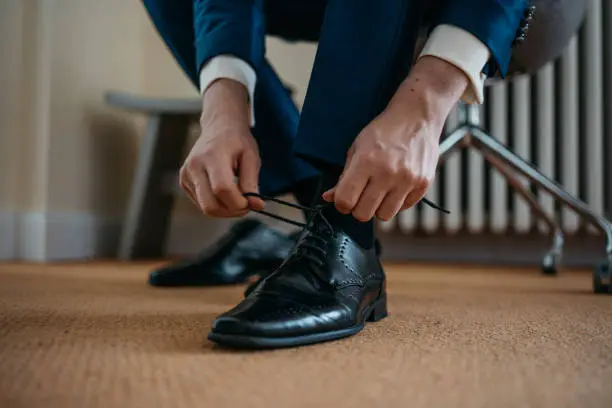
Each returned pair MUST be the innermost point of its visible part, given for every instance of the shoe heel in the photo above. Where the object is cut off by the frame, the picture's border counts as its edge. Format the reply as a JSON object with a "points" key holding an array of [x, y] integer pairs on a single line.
{"points": [[379, 310]]}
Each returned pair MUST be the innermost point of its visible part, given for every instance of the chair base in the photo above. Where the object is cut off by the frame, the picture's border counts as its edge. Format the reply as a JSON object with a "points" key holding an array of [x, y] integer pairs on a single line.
{"points": [[509, 164]]}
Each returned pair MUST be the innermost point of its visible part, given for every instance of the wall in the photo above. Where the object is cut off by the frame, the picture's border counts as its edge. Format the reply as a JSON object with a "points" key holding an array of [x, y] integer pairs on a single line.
{"points": [[10, 19], [66, 160]]}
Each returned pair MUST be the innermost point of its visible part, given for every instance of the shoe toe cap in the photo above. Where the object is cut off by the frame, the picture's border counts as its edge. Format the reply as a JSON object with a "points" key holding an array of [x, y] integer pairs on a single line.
{"points": [[273, 317], [232, 325], [254, 316]]}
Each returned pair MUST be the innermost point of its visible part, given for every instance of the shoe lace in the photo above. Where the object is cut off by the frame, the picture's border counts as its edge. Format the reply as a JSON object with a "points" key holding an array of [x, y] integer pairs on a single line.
{"points": [[313, 244]]}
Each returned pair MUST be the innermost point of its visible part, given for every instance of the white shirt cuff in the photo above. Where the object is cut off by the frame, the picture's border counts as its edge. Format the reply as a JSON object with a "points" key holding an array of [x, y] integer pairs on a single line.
{"points": [[230, 67], [462, 49]]}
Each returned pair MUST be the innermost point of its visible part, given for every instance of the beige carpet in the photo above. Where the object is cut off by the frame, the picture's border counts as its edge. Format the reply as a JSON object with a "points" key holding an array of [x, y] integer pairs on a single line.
{"points": [[97, 336]]}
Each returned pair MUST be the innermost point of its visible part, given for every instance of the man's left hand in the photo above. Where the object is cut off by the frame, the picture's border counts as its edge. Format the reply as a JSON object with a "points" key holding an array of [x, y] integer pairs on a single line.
{"points": [[393, 161]]}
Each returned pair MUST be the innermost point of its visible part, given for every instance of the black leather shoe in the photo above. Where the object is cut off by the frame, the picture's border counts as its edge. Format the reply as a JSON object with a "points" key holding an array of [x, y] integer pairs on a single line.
{"points": [[327, 289], [249, 248], [252, 285]]}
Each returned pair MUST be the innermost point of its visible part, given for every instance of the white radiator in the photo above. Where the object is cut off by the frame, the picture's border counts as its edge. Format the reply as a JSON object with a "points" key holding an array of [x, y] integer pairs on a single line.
{"points": [[559, 119]]}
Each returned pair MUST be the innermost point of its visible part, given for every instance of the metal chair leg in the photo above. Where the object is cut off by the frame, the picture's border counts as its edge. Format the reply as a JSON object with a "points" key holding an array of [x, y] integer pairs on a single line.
{"points": [[451, 142], [555, 253], [461, 138], [602, 276], [471, 135], [489, 143]]}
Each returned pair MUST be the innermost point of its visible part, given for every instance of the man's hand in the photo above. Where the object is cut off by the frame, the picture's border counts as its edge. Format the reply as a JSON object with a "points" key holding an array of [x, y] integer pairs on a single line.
{"points": [[390, 166], [225, 152], [393, 160]]}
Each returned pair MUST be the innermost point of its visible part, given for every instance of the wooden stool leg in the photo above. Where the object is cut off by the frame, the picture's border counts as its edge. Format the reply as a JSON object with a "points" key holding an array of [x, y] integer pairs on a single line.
{"points": [[150, 207]]}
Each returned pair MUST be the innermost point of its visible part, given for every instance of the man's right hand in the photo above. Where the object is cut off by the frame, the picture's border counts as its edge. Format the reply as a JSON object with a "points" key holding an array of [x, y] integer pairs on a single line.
{"points": [[224, 162]]}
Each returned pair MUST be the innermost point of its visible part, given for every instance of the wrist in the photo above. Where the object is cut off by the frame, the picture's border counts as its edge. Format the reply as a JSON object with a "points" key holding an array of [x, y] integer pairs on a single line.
{"points": [[225, 98], [434, 85]]}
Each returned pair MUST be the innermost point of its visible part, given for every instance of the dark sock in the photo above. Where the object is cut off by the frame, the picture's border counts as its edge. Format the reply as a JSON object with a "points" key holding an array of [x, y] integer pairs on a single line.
{"points": [[306, 192], [360, 232]]}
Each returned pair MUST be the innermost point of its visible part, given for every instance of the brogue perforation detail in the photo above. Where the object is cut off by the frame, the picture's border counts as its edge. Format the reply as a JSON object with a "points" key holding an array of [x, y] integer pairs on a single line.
{"points": [[290, 311], [349, 282]]}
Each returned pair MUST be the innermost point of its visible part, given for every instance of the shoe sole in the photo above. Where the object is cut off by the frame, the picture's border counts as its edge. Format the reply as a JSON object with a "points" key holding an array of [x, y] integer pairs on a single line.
{"points": [[374, 313]]}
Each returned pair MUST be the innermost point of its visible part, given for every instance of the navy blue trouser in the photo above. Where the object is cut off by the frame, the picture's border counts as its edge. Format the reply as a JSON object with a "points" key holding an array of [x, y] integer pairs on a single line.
{"points": [[365, 51]]}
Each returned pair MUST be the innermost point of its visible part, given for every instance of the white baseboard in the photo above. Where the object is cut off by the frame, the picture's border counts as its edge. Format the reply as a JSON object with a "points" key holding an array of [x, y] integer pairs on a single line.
{"points": [[62, 236], [78, 236], [8, 232], [65, 236]]}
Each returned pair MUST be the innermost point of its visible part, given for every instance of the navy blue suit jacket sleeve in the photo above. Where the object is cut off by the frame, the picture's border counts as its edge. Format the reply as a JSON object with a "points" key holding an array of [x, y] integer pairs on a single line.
{"points": [[234, 27], [494, 22]]}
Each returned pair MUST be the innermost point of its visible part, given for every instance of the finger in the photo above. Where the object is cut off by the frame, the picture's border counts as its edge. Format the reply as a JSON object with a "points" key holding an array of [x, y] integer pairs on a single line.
{"points": [[187, 186], [221, 213], [223, 185], [370, 200], [329, 195], [349, 189], [190, 191], [414, 197], [392, 204], [208, 202], [248, 179]]}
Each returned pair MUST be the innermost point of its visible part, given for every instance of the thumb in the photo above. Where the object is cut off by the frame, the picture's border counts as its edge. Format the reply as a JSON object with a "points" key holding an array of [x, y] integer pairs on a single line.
{"points": [[329, 195], [248, 179]]}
